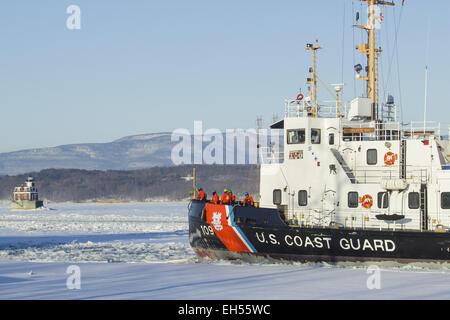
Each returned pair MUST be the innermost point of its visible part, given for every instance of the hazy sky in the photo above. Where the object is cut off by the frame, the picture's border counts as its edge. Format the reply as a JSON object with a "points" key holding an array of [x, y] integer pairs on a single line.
{"points": [[140, 66]]}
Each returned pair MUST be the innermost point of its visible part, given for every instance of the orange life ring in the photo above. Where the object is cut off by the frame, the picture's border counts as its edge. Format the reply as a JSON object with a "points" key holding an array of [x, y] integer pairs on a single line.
{"points": [[367, 201], [389, 158], [299, 97]]}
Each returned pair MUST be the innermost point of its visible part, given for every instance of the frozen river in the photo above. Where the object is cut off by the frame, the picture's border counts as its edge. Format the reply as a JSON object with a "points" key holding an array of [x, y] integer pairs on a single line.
{"points": [[141, 251], [137, 232]]}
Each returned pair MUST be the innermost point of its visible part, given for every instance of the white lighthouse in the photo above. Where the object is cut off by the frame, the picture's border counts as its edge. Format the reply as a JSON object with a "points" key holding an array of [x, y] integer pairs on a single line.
{"points": [[26, 196]]}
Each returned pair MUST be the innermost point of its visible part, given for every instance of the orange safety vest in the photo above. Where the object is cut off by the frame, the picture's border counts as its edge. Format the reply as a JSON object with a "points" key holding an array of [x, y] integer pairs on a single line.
{"points": [[225, 199], [215, 198], [201, 195], [248, 199]]}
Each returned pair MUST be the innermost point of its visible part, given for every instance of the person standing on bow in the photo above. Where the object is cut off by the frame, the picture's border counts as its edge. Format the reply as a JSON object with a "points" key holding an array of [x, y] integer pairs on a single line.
{"points": [[248, 200], [201, 195], [225, 199], [215, 197], [232, 196]]}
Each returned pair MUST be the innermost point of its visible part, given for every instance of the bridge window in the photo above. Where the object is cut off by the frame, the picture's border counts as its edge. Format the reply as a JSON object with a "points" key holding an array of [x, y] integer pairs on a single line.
{"points": [[277, 196], [331, 139], [383, 200], [302, 198], [413, 200], [372, 156], [296, 136], [445, 200], [315, 136], [353, 200]]}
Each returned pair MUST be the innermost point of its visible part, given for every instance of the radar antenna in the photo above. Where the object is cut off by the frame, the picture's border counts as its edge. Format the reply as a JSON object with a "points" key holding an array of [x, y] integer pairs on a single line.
{"points": [[371, 52]]}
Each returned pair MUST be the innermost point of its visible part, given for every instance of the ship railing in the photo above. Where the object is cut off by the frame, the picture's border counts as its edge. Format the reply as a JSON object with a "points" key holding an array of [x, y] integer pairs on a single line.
{"points": [[353, 219], [385, 131], [417, 175], [304, 109], [268, 155], [366, 219], [376, 176], [421, 129]]}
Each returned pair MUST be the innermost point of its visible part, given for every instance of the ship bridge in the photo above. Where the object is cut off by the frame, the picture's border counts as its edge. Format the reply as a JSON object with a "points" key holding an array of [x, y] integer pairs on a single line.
{"points": [[338, 124]]}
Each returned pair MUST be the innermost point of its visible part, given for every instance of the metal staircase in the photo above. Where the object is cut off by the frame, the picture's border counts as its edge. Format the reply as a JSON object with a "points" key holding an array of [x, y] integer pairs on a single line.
{"points": [[344, 165]]}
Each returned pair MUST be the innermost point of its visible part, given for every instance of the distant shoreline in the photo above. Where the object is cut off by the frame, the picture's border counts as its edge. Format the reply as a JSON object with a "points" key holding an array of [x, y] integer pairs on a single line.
{"points": [[156, 184], [49, 203]]}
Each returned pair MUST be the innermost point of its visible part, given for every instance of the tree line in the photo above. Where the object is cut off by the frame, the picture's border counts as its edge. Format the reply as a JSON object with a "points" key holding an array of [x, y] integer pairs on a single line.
{"points": [[156, 183]]}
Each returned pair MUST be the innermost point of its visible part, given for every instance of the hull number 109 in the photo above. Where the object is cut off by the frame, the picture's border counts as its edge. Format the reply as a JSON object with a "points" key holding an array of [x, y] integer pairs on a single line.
{"points": [[207, 230]]}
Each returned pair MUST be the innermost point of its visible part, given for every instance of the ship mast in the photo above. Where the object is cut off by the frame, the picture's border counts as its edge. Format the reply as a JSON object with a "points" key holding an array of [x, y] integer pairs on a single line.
{"points": [[372, 53], [313, 80]]}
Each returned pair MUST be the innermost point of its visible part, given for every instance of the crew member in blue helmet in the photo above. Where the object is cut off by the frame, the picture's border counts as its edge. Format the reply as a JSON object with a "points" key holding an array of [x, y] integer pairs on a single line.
{"points": [[248, 200], [201, 194]]}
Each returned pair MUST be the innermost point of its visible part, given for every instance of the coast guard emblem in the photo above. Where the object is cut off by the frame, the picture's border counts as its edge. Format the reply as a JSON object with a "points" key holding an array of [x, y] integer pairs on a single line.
{"points": [[217, 221]]}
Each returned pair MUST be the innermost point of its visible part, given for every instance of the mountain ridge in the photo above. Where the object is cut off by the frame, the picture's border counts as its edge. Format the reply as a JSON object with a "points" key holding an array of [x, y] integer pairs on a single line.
{"points": [[127, 153]]}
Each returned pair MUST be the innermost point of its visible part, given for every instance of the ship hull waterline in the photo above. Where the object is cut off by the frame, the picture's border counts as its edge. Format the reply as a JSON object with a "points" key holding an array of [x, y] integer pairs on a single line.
{"points": [[239, 236]]}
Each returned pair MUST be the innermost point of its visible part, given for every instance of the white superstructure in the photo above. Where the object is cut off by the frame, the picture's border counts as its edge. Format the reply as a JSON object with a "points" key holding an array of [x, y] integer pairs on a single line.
{"points": [[358, 167], [335, 170]]}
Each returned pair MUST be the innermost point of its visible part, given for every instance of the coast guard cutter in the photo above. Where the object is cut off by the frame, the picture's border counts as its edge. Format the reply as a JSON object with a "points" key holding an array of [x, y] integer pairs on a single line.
{"points": [[350, 184]]}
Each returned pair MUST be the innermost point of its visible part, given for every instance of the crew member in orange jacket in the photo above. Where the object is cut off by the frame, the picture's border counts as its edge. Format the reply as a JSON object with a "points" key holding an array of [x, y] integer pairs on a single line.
{"points": [[215, 197], [225, 199], [201, 194], [248, 200], [232, 196]]}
